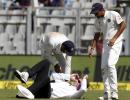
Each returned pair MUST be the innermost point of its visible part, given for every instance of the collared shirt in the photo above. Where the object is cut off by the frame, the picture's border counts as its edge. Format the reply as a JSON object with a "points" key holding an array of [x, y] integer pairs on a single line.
{"points": [[51, 49], [108, 25], [61, 88]]}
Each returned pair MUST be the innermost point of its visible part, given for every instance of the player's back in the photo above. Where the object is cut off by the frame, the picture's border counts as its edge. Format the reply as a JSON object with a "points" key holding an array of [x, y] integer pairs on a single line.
{"points": [[55, 38]]}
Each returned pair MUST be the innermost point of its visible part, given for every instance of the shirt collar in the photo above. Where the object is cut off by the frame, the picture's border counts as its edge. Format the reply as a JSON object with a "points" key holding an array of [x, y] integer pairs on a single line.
{"points": [[105, 13]]}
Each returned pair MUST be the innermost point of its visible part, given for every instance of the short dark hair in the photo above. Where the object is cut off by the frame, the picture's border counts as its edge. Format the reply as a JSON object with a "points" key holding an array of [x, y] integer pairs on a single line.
{"points": [[96, 7], [69, 47]]}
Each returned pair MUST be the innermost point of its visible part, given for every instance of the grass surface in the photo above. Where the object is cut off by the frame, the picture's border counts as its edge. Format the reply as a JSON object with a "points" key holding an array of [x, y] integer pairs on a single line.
{"points": [[78, 63], [90, 95]]}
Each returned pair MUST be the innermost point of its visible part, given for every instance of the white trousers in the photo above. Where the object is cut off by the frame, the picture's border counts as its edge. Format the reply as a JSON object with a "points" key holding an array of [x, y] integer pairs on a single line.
{"points": [[110, 56]]}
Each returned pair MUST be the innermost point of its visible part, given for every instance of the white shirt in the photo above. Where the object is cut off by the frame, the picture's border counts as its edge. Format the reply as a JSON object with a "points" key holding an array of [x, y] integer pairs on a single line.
{"points": [[59, 76], [50, 49], [62, 89], [108, 25]]}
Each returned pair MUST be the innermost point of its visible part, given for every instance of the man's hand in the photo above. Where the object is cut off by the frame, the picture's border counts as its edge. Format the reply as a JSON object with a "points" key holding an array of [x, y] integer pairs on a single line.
{"points": [[75, 78], [111, 42], [121, 28], [90, 52]]}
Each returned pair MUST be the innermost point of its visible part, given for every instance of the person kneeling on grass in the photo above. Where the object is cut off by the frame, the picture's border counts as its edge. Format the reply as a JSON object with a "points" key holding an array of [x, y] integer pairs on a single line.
{"points": [[55, 86]]}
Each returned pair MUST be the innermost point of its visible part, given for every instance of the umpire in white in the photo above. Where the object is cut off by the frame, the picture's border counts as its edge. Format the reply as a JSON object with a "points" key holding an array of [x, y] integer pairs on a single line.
{"points": [[109, 25]]}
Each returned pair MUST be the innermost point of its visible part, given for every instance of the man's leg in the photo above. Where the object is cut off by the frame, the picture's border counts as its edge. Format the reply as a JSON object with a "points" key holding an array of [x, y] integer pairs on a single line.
{"points": [[42, 65], [113, 82], [42, 81], [105, 80], [44, 92], [112, 60], [104, 70], [41, 86], [40, 89]]}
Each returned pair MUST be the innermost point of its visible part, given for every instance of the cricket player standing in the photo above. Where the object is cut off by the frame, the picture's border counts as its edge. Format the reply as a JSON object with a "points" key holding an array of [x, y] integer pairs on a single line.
{"points": [[109, 25]]}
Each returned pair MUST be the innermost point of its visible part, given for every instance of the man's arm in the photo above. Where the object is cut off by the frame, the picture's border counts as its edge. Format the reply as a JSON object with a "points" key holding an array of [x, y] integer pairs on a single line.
{"points": [[121, 28], [93, 43], [65, 62], [68, 64]]}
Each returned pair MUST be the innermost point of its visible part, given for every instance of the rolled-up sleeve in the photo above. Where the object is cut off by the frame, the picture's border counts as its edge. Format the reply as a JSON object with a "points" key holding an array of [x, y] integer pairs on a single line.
{"points": [[118, 18]]}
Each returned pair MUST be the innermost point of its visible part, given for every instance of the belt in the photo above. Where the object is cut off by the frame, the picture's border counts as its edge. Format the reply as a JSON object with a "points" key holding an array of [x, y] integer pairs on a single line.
{"points": [[52, 81]]}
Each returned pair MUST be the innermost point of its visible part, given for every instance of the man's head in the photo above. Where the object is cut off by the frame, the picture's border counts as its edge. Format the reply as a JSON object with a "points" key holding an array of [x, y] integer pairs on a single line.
{"points": [[58, 68], [68, 48], [98, 10]]}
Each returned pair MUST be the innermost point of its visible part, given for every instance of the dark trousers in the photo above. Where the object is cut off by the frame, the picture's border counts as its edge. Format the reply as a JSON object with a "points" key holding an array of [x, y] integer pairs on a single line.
{"points": [[41, 86]]}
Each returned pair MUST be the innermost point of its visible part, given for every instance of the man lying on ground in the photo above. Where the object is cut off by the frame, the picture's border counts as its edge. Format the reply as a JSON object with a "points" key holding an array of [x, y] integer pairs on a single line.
{"points": [[55, 86]]}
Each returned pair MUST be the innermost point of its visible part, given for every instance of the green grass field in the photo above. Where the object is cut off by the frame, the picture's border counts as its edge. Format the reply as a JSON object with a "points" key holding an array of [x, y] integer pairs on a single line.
{"points": [[90, 95], [78, 63]]}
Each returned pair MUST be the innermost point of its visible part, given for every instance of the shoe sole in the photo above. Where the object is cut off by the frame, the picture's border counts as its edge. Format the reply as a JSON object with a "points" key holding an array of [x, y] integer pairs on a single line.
{"points": [[20, 97], [18, 76]]}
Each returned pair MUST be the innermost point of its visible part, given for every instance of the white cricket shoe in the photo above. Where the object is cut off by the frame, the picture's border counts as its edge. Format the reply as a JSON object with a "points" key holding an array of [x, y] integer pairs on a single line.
{"points": [[114, 96], [22, 76], [24, 92]]}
